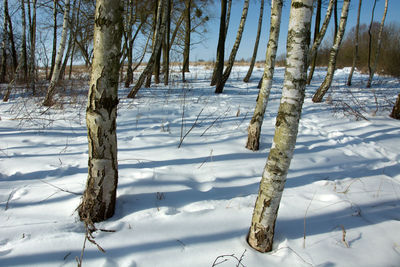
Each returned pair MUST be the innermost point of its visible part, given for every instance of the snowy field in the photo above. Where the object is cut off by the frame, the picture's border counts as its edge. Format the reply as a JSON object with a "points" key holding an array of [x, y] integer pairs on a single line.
{"points": [[192, 205]]}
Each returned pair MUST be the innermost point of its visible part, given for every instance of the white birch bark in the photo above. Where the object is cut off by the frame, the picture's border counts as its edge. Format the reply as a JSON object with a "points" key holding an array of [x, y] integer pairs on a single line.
{"points": [[378, 49], [274, 175], [254, 129], [333, 54], [48, 101], [98, 202]]}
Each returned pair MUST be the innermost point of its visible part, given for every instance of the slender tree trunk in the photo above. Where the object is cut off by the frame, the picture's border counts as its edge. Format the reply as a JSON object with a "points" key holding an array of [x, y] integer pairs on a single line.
{"points": [[48, 101], [4, 46], [273, 180], [254, 130], [335, 18], [333, 54], [253, 58], [378, 48], [321, 34], [166, 44], [54, 50], [355, 54], [159, 32], [370, 37], [316, 32], [14, 56], [32, 31], [220, 84], [24, 58], [186, 50], [228, 17], [128, 37], [396, 109], [219, 63], [98, 202]]}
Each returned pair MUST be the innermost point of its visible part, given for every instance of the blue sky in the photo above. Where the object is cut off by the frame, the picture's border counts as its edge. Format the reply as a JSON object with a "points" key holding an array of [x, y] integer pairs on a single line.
{"points": [[207, 49]]}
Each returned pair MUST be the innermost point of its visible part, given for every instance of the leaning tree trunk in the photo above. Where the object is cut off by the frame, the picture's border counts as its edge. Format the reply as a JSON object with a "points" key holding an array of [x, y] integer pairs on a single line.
{"points": [[273, 180], [355, 54], [333, 54], [98, 202], [219, 63], [378, 48], [221, 83], [316, 31], [228, 17], [253, 58], [321, 34], [48, 101], [396, 109], [254, 130], [186, 50], [159, 32]]}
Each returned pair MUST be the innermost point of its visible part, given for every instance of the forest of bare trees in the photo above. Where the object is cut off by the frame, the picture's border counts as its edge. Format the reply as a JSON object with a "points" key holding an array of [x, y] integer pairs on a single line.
{"points": [[47, 43]]}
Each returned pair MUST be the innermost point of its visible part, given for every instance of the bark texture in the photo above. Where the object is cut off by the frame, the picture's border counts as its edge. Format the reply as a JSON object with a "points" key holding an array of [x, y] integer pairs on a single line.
{"points": [[219, 87], [355, 54], [98, 202], [48, 101], [396, 109], [253, 58], [326, 84], [316, 31], [254, 129], [219, 63], [186, 50], [378, 49], [274, 176]]}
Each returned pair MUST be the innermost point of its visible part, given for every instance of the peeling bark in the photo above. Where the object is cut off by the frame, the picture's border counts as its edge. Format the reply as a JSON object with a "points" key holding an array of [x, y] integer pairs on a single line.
{"points": [[274, 176], [98, 202], [254, 129]]}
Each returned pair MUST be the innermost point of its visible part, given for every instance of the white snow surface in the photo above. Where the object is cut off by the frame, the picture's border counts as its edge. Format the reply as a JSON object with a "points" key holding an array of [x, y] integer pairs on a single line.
{"points": [[192, 205]]}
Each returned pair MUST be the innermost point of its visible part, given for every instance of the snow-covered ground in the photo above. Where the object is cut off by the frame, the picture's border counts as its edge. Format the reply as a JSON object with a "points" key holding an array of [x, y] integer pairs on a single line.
{"points": [[191, 205]]}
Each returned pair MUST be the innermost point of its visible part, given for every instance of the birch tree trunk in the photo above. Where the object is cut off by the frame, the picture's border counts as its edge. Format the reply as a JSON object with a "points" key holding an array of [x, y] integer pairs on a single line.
{"points": [[316, 31], [48, 101], [186, 50], [228, 16], [24, 61], [219, 63], [166, 44], [54, 50], [221, 83], [355, 54], [396, 109], [253, 58], [274, 175], [98, 202], [159, 32], [321, 34], [333, 54], [378, 49], [32, 31], [4, 47], [254, 129]]}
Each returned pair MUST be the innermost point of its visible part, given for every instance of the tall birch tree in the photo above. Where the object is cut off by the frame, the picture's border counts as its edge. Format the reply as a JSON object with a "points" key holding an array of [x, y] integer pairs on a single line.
{"points": [[254, 56], [356, 43], [219, 87], [48, 101], [99, 197], [254, 129], [219, 63], [378, 48], [333, 54], [274, 175], [316, 32]]}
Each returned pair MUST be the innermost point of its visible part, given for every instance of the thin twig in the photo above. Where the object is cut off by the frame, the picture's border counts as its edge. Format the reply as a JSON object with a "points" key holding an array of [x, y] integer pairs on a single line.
{"points": [[61, 189], [191, 128]]}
